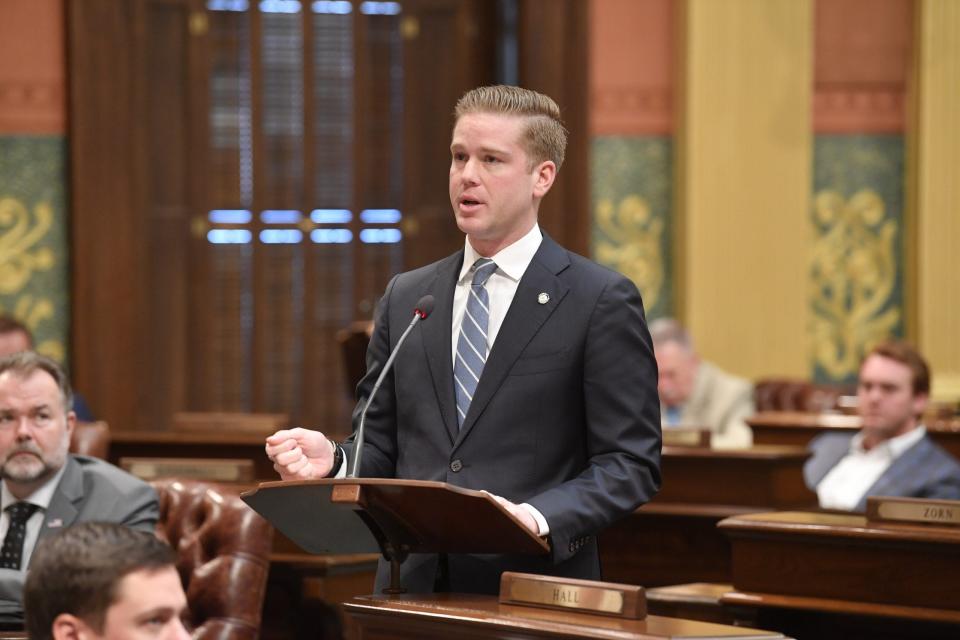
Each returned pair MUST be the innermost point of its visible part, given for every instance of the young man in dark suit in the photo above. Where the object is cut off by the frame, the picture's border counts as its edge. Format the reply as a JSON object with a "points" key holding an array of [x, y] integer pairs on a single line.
{"points": [[534, 376]]}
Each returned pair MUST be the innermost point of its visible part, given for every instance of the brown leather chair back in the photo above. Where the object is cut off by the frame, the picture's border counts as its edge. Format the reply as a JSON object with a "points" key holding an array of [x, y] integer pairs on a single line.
{"points": [[353, 349], [222, 550], [789, 394], [91, 439]]}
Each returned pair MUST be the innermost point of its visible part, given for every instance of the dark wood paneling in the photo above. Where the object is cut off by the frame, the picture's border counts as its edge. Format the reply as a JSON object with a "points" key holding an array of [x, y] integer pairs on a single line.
{"points": [[553, 60], [107, 191]]}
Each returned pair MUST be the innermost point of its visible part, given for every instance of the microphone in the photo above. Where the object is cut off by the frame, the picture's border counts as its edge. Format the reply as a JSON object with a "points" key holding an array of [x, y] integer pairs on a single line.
{"points": [[420, 312]]}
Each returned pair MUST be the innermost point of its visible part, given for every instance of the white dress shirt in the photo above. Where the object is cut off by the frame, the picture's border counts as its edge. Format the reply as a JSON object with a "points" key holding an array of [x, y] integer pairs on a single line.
{"points": [[512, 263], [41, 497], [843, 487]]}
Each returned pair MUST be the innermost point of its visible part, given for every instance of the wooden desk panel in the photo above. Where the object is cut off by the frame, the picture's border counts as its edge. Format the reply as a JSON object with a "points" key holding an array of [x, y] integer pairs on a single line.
{"points": [[477, 617], [194, 444], [855, 573], [763, 476], [843, 557], [798, 429], [674, 539]]}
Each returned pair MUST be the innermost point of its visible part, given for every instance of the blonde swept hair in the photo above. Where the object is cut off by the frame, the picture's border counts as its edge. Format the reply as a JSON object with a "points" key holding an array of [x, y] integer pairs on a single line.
{"points": [[545, 137]]}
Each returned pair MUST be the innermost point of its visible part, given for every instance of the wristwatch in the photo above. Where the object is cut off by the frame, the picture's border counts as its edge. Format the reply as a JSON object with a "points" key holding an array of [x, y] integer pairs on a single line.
{"points": [[337, 458]]}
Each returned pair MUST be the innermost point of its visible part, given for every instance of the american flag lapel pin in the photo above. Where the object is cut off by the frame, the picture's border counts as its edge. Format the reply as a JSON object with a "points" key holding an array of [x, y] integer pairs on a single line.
{"points": [[56, 523]]}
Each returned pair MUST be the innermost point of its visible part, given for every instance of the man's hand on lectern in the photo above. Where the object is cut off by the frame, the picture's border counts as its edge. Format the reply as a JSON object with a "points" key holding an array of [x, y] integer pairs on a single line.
{"points": [[300, 454], [520, 513]]}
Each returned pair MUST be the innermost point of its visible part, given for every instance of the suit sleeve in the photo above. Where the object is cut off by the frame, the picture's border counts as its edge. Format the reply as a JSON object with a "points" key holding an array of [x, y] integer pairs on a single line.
{"points": [[380, 431], [622, 425], [141, 508]]}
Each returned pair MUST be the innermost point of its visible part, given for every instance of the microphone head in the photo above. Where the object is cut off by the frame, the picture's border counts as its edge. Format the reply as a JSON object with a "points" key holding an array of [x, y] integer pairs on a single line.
{"points": [[424, 307]]}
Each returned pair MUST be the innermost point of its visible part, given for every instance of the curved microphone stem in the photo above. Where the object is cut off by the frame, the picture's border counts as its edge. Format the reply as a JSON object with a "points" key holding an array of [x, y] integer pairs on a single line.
{"points": [[358, 440]]}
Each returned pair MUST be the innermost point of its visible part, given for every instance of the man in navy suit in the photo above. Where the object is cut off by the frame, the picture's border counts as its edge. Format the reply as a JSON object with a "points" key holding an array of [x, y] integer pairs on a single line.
{"points": [[534, 377], [892, 455]]}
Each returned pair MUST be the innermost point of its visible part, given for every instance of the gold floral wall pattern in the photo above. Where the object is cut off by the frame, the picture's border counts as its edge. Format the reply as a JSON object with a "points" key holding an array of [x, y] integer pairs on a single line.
{"points": [[856, 265], [854, 272], [631, 184], [33, 246], [636, 251]]}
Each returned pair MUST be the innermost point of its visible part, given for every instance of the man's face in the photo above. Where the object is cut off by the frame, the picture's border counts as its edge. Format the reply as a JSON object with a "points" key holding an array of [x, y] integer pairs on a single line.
{"points": [[885, 398], [493, 190], [34, 429], [14, 342], [150, 604], [677, 370]]}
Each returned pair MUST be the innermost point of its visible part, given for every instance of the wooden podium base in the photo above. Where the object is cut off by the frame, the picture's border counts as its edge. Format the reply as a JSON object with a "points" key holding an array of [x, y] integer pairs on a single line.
{"points": [[480, 617]]}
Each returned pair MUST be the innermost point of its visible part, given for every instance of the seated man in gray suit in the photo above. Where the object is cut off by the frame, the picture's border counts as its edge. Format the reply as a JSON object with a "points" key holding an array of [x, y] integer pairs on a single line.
{"points": [[892, 455], [43, 488], [696, 393]]}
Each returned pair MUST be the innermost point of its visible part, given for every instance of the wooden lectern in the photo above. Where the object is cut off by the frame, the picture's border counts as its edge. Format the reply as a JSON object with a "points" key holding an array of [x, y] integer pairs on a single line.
{"points": [[394, 517]]}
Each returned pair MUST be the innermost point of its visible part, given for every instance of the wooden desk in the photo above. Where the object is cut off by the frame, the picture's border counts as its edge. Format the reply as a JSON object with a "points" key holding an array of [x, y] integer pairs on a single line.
{"points": [[798, 429], [674, 538], [194, 444], [876, 580], [477, 617]]}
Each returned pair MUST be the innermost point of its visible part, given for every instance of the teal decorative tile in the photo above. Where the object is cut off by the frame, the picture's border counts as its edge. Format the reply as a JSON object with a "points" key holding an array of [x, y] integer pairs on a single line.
{"points": [[631, 197], [34, 281], [857, 256]]}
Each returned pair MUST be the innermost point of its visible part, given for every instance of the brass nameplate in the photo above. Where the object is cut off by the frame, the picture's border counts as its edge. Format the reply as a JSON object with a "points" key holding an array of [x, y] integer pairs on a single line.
{"points": [[213, 470], [685, 437], [625, 601], [942, 512]]}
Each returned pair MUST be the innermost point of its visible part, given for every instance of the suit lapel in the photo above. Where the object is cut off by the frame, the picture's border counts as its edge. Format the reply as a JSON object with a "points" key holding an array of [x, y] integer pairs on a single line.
{"points": [[898, 480], [62, 511], [437, 340], [524, 318]]}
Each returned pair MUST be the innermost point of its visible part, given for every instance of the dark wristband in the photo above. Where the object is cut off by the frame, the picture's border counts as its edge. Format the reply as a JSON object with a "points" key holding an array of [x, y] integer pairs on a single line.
{"points": [[337, 459]]}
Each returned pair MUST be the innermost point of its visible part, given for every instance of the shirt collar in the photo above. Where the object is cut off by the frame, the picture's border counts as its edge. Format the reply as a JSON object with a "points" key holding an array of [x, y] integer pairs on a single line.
{"points": [[41, 497], [894, 447], [512, 261]]}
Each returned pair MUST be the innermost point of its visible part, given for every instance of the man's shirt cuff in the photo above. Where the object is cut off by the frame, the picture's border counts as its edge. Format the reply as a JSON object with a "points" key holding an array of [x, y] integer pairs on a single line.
{"points": [[541, 521]]}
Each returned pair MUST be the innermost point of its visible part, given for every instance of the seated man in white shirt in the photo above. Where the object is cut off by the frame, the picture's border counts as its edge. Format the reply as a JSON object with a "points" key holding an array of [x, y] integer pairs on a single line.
{"points": [[892, 454]]}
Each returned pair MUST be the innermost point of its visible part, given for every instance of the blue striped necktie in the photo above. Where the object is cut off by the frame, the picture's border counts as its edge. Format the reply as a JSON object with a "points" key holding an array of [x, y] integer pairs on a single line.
{"points": [[472, 345]]}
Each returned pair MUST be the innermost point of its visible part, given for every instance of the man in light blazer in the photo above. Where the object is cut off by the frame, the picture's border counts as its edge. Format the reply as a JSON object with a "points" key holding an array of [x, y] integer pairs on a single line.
{"points": [[533, 378], [44, 489], [892, 455]]}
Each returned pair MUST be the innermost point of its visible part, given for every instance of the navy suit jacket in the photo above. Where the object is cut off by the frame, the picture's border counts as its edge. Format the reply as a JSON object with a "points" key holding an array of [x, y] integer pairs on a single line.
{"points": [[923, 471], [565, 416]]}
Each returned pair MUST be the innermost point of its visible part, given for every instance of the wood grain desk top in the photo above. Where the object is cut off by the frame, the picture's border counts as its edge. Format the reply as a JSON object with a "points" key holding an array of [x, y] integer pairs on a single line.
{"points": [[480, 611]]}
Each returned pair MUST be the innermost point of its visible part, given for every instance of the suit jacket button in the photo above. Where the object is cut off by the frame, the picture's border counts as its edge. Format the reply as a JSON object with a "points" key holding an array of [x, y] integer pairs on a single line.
{"points": [[456, 465]]}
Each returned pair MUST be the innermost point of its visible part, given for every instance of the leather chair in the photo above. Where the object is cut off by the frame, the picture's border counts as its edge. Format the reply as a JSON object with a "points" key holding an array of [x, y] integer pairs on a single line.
{"points": [[223, 550], [789, 394], [91, 439], [353, 343]]}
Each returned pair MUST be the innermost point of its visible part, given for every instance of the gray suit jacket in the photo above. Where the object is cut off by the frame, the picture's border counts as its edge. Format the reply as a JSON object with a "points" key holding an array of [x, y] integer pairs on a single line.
{"points": [[90, 490], [565, 416], [923, 471]]}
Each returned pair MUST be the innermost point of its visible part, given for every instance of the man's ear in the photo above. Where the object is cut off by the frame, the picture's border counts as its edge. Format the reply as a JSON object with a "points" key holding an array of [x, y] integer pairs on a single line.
{"points": [[544, 175], [920, 402], [67, 626]]}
